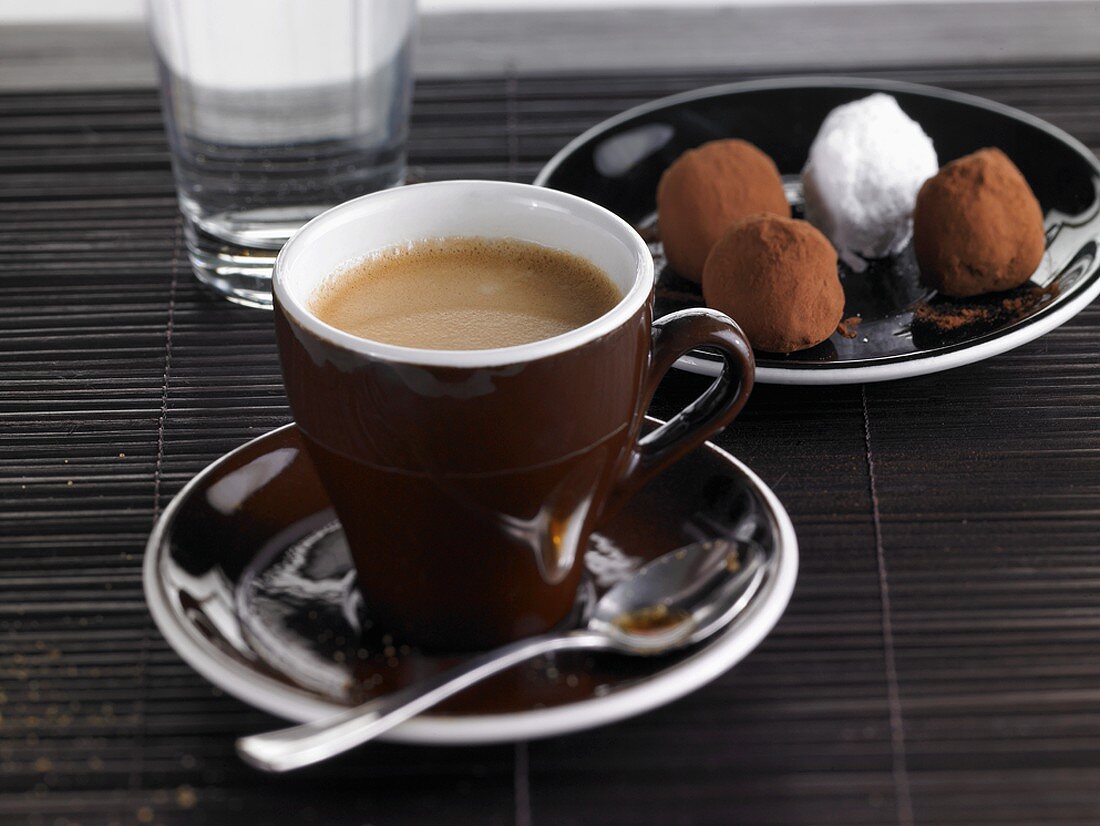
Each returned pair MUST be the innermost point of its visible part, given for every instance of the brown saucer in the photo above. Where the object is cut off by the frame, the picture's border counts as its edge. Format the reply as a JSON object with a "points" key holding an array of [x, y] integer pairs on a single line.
{"points": [[249, 579]]}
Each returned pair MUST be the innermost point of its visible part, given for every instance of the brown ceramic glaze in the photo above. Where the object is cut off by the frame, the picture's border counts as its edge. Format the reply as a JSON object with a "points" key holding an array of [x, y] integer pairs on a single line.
{"points": [[483, 483]]}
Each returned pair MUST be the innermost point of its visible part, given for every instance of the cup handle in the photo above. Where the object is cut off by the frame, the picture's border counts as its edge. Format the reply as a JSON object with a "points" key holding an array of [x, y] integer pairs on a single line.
{"points": [[673, 336]]}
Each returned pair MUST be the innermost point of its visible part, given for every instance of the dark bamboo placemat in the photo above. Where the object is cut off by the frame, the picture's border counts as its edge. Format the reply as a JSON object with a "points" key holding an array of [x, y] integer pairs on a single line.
{"points": [[939, 664]]}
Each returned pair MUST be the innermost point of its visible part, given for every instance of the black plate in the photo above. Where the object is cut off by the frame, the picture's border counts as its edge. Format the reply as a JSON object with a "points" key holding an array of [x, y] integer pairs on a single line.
{"points": [[618, 163]]}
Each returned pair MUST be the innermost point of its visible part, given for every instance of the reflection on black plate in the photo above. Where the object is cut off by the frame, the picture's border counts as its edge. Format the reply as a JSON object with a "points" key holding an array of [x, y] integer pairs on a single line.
{"points": [[618, 164]]}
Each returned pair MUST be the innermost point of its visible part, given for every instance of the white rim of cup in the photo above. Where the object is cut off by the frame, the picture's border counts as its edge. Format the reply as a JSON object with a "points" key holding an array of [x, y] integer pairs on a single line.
{"points": [[552, 200]]}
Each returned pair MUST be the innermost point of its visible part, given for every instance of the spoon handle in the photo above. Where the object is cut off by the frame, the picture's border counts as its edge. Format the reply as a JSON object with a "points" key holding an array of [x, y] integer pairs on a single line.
{"points": [[309, 743]]}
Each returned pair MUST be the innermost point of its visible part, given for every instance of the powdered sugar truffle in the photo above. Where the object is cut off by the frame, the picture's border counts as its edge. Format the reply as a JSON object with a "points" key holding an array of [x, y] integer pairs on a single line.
{"points": [[861, 180]]}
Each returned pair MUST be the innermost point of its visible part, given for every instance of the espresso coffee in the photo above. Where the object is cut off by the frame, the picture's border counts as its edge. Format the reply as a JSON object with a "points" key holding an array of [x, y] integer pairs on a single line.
{"points": [[465, 294]]}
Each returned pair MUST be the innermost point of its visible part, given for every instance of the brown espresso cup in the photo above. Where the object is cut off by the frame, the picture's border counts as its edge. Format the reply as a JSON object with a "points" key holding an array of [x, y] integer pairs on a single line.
{"points": [[468, 481]]}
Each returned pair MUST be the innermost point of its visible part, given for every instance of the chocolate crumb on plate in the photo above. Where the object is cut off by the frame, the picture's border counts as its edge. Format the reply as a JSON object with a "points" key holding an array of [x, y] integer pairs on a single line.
{"points": [[847, 327], [941, 320]]}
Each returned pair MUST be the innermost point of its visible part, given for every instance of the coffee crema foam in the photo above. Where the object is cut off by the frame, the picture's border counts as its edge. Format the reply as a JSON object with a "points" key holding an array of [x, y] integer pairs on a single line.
{"points": [[465, 293]]}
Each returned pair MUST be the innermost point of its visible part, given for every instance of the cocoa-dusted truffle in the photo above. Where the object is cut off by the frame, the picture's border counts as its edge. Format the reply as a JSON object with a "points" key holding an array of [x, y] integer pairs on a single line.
{"points": [[977, 227], [777, 278], [707, 189]]}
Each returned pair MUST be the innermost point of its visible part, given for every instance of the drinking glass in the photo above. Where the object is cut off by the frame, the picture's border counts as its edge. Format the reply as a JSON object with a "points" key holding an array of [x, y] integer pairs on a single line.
{"points": [[275, 111]]}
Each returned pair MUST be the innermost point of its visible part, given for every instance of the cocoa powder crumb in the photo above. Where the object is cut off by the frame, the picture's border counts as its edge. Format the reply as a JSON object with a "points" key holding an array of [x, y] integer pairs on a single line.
{"points": [[949, 318], [847, 327]]}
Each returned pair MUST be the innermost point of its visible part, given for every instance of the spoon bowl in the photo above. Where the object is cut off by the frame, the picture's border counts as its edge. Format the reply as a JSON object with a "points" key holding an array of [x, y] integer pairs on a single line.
{"points": [[680, 598]]}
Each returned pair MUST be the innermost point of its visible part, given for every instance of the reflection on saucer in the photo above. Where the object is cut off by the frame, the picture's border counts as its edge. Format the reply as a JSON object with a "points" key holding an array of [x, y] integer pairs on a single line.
{"points": [[262, 599]]}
